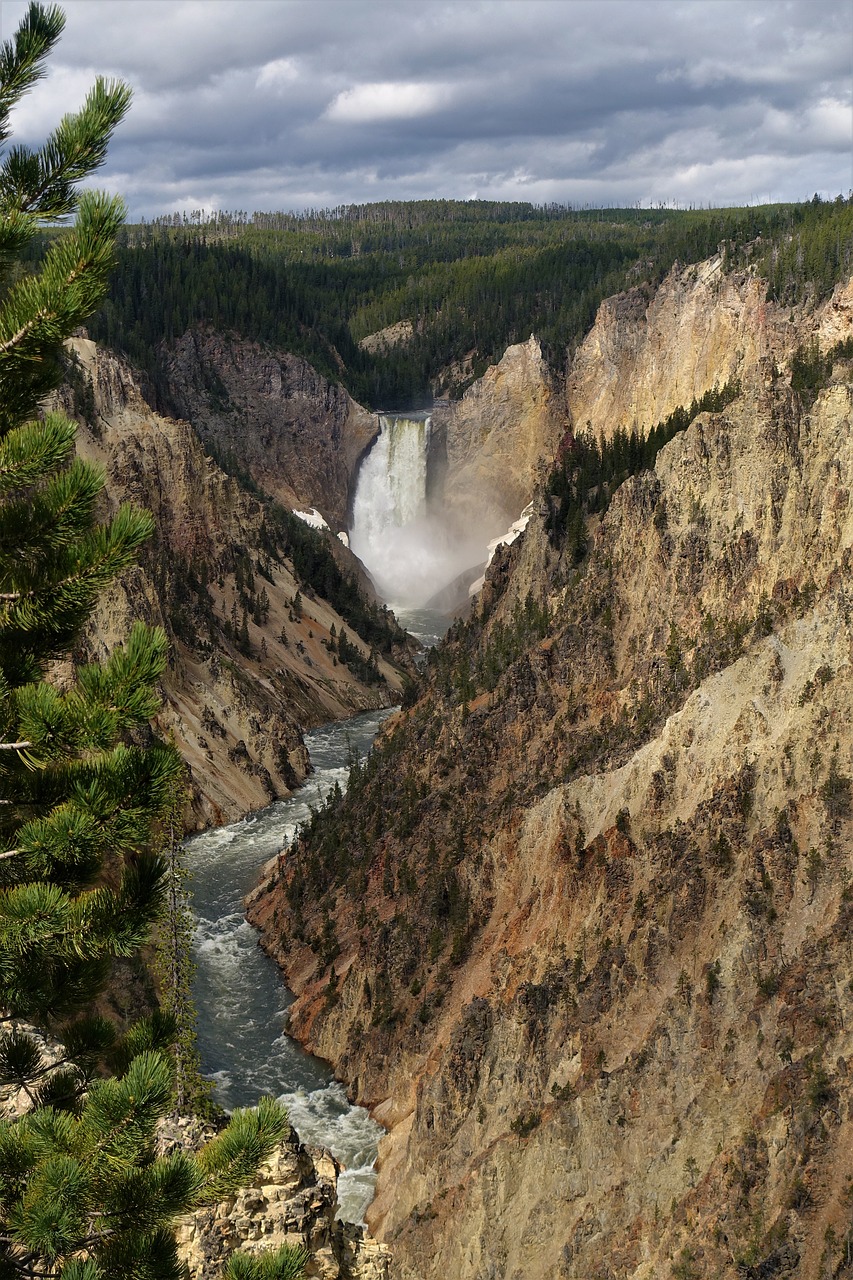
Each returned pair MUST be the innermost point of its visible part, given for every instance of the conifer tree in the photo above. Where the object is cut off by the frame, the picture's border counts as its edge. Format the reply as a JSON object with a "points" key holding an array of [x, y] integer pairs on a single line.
{"points": [[82, 1195]]}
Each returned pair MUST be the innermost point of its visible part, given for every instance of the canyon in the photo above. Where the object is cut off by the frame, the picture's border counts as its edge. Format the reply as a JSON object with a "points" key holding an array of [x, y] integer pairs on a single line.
{"points": [[253, 660], [235, 703], [261, 426], [578, 932], [426, 680], [590, 896]]}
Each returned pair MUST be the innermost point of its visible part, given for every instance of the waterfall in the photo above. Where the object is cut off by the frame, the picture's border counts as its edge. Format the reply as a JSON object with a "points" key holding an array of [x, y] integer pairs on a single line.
{"points": [[391, 492], [406, 543], [391, 532]]}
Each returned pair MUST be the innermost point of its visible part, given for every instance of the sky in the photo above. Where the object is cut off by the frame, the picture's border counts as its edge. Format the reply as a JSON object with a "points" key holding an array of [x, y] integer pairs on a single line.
{"points": [[293, 104]]}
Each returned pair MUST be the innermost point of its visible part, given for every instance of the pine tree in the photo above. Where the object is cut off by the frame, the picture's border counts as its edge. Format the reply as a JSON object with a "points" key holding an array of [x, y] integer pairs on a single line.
{"points": [[82, 1195], [174, 968], [71, 790]]}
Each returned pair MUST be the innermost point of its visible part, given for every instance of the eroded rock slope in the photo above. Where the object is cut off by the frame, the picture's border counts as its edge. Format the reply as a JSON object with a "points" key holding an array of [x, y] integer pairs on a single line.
{"points": [[251, 665], [298, 435], [580, 931], [652, 351]]}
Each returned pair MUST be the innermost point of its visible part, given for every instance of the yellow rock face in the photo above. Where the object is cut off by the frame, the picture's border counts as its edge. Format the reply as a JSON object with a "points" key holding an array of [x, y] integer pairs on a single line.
{"points": [[650, 352], [504, 428]]}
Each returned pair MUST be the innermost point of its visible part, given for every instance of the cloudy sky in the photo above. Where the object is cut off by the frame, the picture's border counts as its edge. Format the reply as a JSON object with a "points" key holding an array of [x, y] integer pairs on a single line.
{"points": [[287, 104]]}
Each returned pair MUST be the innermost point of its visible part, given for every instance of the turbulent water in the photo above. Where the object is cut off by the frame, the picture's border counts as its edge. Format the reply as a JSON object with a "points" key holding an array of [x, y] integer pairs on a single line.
{"points": [[426, 624], [241, 1000], [405, 543], [391, 531]]}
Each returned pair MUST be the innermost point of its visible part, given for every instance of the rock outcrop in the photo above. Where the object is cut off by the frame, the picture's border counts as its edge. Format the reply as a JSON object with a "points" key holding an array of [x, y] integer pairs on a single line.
{"points": [[497, 437], [591, 905], [298, 435], [249, 668], [652, 351], [292, 1200], [391, 336]]}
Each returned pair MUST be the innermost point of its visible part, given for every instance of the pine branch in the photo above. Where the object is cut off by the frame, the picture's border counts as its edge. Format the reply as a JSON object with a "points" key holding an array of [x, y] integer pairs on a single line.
{"points": [[34, 450], [21, 59], [66, 598], [235, 1154], [71, 153]]}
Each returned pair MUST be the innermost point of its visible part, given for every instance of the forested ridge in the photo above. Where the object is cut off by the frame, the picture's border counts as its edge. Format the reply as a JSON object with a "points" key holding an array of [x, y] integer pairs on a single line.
{"points": [[470, 277]]}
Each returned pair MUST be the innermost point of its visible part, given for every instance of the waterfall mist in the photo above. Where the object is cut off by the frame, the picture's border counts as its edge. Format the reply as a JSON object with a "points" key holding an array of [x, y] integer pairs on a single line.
{"points": [[408, 549]]}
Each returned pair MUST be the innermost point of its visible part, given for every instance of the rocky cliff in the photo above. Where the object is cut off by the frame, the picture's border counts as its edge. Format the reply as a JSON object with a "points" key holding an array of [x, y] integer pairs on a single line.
{"points": [[651, 351], [496, 439], [251, 666], [579, 932], [292, 1200], [299, 436]]}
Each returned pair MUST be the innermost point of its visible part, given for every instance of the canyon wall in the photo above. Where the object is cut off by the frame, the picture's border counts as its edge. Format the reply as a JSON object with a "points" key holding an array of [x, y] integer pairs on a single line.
{"points": [[248, 669], [653, 350], [299, 436], [580, 931], [497, 438]]}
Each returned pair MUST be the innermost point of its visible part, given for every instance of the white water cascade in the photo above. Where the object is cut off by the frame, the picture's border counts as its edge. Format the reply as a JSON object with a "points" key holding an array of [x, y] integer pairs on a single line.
{"points": [[242, 1004], [406, 547]]}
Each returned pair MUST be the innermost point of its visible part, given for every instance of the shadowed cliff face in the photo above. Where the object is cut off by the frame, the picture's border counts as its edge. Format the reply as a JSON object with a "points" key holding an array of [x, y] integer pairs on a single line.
{"points": [[589, 905], [248, 670], [299, 436]]}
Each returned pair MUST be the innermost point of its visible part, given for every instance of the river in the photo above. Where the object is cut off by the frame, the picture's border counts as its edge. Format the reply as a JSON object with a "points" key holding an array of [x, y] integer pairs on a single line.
{"points": [[241, 1000]]}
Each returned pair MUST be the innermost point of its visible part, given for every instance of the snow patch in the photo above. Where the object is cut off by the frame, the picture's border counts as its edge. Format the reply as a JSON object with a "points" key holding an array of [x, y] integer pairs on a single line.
{"points": [[506, 539], [312, 518]]}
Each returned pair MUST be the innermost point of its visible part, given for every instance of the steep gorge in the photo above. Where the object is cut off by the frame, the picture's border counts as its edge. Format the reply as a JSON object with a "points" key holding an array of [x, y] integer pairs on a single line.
{"points": [[298, 436], [249, 668], [579, 932]]}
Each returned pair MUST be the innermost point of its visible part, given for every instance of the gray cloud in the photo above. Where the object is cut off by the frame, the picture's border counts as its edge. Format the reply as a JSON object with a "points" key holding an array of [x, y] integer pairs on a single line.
{"points": [[266, 104]]}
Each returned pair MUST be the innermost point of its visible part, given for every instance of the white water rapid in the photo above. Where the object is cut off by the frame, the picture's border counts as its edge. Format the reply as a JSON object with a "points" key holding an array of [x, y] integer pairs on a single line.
{"points": [[407, 548], [241, 1000]]}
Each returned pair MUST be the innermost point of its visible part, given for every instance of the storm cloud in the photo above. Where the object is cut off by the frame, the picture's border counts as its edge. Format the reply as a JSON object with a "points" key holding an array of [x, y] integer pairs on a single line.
{"points": [[287, 104]]}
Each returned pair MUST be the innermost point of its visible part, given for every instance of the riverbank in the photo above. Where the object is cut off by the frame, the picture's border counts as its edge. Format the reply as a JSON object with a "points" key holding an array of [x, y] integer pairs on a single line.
{"points": [[241, 1000]]}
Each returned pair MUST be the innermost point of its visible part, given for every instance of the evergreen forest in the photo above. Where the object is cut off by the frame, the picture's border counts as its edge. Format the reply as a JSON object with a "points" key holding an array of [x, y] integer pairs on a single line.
{"points": [[467, 278]]}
